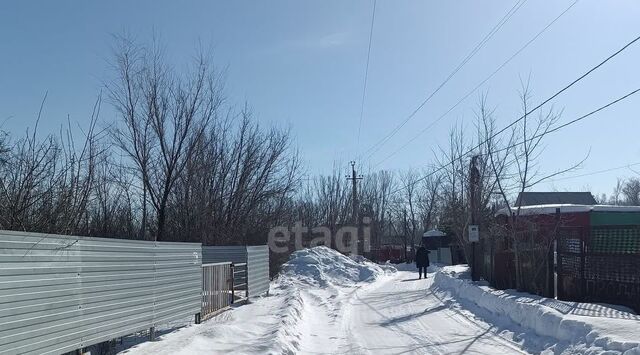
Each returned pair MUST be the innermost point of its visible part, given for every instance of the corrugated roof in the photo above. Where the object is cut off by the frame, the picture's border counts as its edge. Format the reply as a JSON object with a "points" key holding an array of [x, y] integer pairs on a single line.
{"points": [[434, 233], [567, 208], [548, 198]]}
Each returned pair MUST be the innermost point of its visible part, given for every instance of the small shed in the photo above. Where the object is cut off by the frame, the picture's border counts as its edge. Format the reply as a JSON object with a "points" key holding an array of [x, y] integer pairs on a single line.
{"points": [[439, 246]]}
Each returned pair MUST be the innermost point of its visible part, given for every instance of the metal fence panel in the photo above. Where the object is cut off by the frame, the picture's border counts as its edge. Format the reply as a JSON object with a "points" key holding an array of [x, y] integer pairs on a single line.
{"points": [[256, 259], [60, 293], [221, 254], [257, 270]]}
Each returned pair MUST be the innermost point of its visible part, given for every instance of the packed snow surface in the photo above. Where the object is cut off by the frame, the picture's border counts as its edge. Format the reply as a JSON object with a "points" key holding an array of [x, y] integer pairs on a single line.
{"points": [[326, 303], [580, 327]]}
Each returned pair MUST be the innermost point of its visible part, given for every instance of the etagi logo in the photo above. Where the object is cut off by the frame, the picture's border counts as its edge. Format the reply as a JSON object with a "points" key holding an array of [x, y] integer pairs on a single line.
{"points": [[346, 239]]}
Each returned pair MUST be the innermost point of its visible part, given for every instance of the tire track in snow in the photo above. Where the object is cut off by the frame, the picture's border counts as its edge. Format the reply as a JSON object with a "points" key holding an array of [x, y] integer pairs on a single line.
{"points": [[403, 316]]}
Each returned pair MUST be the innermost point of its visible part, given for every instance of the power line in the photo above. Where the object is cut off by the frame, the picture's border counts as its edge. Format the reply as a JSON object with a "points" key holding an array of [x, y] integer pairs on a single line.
{"points": [[519, 143], [366, 73], [597, 172], [537, 107], [559, 127], [563, 89], [375, 147], [477, 86]]}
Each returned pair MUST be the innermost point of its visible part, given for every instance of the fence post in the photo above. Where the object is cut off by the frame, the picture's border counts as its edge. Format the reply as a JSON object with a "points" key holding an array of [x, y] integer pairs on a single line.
{"points": [[552, 262], [583, 241], [233, 281]]}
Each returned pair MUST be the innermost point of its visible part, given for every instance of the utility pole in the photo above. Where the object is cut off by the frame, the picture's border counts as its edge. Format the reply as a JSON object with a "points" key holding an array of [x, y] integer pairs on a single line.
{"points": [[406, 234], [354, 195], [354, 186], [474, 175]]}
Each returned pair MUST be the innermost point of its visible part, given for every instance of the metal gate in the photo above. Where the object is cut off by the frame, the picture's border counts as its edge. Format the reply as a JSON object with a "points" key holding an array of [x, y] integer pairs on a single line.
{"points": [[217, 288], [570, 264], [250, 268]]}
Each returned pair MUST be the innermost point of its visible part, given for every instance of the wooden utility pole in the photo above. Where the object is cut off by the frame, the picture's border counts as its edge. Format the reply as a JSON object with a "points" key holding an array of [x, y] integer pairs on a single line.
{"points": [[354, 199], [474, 175], [354, 193]]}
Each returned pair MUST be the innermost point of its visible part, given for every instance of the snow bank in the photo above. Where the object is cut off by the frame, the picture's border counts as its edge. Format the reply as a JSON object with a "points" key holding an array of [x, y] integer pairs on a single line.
{"points": [[321, 266], [313, 283], [308, 298], [591, 325]]}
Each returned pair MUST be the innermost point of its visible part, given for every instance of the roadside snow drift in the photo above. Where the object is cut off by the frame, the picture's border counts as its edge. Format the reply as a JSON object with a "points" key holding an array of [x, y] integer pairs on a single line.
{"points": [[322, 266], [595, 328]]}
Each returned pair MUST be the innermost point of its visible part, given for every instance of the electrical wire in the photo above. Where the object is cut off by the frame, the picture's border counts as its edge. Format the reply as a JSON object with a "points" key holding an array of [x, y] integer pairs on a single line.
{"points": [[476, 87], [519, 143], [376, 146], [596, 172], [366, 75]]}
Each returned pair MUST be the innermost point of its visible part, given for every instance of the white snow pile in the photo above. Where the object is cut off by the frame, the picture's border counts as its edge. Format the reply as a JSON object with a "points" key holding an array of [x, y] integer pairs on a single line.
{"points": [[321, 266], [588, 328], [308, 298]]}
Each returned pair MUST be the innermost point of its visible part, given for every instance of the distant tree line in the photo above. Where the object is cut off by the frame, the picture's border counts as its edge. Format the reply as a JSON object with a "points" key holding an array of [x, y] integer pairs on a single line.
{"points": [[626, 192]]}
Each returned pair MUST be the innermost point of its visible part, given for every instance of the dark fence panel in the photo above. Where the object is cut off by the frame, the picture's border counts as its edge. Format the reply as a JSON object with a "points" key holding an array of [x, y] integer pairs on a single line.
{"points": [[601, 266]]}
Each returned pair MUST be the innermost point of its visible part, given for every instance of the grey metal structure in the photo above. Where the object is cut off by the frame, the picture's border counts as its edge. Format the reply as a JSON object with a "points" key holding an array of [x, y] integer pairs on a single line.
{"points": [[239, 282], [254, 258], [61, 293], [221, 254], [257, 270]]}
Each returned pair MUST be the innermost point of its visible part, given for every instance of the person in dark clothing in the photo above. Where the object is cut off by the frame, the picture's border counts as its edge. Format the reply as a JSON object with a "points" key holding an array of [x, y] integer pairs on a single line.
{"points": [[422, 261]]}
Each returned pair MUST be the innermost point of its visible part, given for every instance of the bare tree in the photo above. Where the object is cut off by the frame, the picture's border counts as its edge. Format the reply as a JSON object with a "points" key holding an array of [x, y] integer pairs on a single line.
{"points": [[515, 166], [617, 191], [375, 196], [163, 115], [631, 192], [428, 201], [47, 183], [454, 177], [410, 199], [235, 187]]}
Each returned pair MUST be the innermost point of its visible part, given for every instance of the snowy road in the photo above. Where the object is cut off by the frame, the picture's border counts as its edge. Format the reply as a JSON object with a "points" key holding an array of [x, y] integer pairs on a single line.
{"points": [[326, 303], [395, 314], [400, 315]]}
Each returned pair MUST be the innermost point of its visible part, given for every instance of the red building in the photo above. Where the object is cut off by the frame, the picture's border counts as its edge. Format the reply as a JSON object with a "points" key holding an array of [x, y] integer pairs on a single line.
{"points": [[575, 252]]}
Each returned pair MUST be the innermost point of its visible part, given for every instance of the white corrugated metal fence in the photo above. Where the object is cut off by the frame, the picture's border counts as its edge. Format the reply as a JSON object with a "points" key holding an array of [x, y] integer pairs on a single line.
{"points": [[61, 293], [257, 270]]}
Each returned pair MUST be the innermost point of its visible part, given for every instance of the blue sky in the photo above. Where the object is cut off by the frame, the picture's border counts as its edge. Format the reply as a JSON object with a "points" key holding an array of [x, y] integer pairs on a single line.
{"points": [[301, 64]]}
